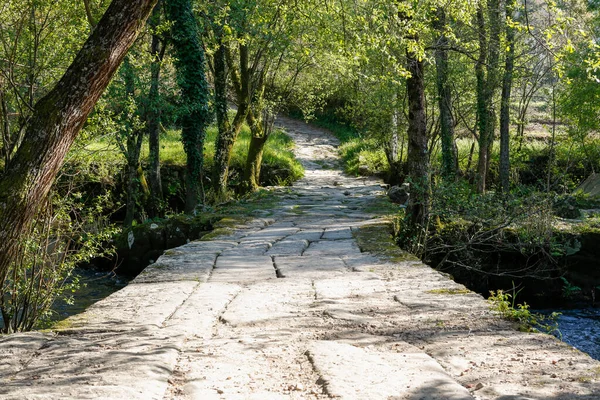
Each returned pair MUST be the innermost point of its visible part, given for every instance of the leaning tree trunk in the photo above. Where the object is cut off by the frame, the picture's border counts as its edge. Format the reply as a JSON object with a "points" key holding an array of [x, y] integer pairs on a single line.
{"points": [[153, 117], [449, 156], [57, 119], [228, 132], [418, 157], [191, 75], [507, 81]]}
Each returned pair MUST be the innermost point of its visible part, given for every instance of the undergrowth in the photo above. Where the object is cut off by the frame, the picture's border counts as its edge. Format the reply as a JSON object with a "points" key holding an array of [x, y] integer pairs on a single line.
{"points": [[506, 306]]}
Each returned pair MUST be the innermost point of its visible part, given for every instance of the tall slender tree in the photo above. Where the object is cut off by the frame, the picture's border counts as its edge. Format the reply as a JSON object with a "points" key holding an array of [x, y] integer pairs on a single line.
{"points": [[487, 72], [153, 113], [449, 156], [418, 157], [507, 81]]}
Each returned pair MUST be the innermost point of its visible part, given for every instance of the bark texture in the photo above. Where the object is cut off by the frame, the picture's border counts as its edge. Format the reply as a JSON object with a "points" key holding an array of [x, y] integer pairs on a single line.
{"points": [[507, 82], [261, 124], [418, 157], [255, 150], [228, 132], [57, 119], [153, 118], [487, 84], [449, 156]]}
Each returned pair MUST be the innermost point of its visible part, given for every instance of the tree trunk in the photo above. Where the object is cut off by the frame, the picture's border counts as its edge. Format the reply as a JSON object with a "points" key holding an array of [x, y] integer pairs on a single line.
{"points": [[449, 156], [487, 82], [258, 139], [228, 132], [260, 128], [481, 100], [57, 119], [132, 150], [507, 81], [153, 118], [6, 150], [191, 76], [418, 157]]}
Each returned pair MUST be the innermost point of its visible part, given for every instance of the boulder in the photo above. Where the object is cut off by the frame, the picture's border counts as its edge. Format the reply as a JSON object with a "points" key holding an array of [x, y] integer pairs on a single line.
{"points": [[399, 194]]}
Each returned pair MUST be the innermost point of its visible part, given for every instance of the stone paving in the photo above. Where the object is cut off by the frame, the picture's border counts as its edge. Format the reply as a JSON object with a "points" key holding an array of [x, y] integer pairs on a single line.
{"points": [[289, 307]]}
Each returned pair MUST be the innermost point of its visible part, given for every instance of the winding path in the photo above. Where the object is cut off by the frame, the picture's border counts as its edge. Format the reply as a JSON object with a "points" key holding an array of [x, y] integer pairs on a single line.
{"points": [[289, 307]]}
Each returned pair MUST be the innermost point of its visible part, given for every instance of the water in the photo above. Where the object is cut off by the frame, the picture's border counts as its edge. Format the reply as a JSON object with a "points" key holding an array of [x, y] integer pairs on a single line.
{"points": [[581, 329], [95, 286]]}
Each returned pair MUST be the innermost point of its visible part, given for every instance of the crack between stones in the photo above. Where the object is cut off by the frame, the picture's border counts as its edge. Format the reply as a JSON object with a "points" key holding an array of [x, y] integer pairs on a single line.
{"points": [[278, 272], [164, 323], [322, 382], [220, 318]]}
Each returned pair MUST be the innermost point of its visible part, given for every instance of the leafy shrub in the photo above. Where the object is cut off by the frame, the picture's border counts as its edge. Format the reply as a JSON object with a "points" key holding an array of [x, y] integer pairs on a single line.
{"points": [[65, 233]]}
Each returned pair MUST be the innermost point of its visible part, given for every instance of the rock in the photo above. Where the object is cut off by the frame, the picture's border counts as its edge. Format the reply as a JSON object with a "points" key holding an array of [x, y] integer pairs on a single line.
{"points": [[399, 194], [566, 207]]}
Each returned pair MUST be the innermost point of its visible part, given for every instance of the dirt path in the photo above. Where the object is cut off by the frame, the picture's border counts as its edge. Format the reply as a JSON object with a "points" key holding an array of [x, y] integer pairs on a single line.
{"points": [[289, 307]]}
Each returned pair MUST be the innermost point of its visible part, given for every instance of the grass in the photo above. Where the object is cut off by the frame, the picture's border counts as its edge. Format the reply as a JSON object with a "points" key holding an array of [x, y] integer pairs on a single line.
{"points": [[278, 154]]}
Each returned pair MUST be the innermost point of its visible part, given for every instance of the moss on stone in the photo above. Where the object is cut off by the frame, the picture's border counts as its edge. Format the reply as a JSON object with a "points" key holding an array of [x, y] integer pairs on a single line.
{"points": [[377, 239]]}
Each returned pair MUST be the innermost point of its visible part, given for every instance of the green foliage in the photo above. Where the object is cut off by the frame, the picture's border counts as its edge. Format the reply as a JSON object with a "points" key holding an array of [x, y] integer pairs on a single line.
{"points": [[505, 305], [504, 235], [569, 290], [65, 233]]}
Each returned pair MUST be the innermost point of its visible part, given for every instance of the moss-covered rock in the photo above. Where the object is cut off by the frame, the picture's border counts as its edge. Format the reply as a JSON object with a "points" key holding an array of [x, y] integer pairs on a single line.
{"points": [[141, 245]]}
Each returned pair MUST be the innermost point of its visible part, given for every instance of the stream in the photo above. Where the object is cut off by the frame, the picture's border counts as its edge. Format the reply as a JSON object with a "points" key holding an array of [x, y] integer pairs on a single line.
{"points": [[580, 328], [95, 286]]}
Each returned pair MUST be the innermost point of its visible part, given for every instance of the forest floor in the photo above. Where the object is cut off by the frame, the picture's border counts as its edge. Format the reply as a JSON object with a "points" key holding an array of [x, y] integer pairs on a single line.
{"points": [[309, 300]]}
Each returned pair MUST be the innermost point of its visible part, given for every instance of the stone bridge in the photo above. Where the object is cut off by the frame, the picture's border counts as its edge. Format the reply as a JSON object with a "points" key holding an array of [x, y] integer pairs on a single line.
{"points": [[293, 306]]}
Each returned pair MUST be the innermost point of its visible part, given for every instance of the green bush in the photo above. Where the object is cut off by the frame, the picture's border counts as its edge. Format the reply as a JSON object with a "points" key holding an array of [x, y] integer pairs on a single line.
{"points": [[66, 232]]}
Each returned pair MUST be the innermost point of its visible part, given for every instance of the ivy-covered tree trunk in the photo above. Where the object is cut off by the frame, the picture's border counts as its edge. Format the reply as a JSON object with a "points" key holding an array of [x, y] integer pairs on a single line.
{"points": [[487, 83], [191, 76], [505, 102], [449, 156], [418, 157], [153, 117], [57, 119], [228, 132]]}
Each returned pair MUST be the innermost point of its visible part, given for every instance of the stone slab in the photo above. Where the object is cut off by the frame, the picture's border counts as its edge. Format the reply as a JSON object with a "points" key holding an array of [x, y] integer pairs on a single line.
{"points": [[350, 372], [351, 285], [275, 302], [309, 267], [332, 248], [133, 364], [243, 269], [270, 233], [310, 235], [148, 304], [186, 267], [248, 248], [198, 247], [337, 233], [200, 312], [288, 247]]}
